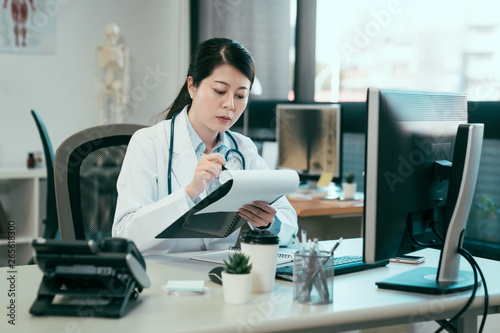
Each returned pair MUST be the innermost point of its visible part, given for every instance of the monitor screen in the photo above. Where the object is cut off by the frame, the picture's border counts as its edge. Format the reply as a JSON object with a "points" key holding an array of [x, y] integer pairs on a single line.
{"points": [[415, 166], [308, 137]]}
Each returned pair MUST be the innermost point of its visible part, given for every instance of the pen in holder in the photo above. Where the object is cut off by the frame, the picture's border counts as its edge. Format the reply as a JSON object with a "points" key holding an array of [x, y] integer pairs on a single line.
{"points": [[313, 277]]}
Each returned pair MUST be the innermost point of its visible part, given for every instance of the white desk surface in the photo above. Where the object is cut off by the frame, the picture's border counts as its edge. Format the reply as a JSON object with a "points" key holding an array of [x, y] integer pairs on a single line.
{"points": [[357, 302]]}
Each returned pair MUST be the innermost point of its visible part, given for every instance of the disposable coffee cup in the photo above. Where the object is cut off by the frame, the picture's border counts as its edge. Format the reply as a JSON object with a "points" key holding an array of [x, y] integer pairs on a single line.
{"points": [[262, 248]]}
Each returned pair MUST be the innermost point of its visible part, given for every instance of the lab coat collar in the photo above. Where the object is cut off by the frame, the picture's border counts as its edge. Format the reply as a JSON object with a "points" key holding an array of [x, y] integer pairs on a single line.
{"points": [[182, 140], [184, 158]]}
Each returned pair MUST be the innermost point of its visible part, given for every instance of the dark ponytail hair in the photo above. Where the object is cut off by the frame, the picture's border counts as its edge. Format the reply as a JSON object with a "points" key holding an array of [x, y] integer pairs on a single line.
{"points": [[206, 58]]}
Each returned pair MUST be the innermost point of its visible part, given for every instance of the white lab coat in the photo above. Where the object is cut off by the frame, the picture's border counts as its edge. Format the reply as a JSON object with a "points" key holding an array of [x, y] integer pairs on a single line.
{"points": [[144, 208]]}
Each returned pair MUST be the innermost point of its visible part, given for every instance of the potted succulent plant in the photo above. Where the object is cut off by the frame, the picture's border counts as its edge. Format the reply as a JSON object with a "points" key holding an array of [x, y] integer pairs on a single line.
{"points": [[237, 279], [349, 186]]}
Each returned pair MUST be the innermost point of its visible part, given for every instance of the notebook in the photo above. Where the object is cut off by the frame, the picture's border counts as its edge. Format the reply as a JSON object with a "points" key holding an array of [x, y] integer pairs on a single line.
{"points": [[284, 256], [217, 214]]}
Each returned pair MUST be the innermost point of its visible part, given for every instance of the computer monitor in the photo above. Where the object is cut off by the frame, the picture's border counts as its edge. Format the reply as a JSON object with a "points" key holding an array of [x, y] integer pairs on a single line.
{"points": [[308, 137], [422, 161]]}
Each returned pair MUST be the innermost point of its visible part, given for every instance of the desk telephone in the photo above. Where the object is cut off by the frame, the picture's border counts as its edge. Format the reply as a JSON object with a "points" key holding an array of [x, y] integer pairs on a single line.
{"points": [[93, 280]]}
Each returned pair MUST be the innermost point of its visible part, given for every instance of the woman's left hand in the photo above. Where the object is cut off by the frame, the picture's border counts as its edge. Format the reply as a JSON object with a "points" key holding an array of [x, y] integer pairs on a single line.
{"points": [[259, 214]]}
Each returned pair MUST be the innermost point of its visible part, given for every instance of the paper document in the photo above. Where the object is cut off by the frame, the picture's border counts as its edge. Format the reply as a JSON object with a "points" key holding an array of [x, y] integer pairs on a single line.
{"points": [[284, 256], [252, 185], [216, 215]]}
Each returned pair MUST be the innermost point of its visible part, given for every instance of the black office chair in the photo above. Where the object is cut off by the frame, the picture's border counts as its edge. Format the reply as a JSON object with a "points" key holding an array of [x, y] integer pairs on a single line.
{"points": [[87, 165], [51, 223]]}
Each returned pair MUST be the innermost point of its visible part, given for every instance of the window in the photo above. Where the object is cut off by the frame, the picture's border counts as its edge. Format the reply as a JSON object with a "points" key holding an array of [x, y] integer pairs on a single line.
{"points": [[483, 229], [265, 28], [328, 16], [482, 236], [449, 45]]}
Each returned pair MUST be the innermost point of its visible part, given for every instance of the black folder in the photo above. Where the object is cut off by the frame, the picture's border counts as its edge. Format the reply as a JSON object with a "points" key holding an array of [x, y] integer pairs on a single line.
{"points": [[206, 225]]}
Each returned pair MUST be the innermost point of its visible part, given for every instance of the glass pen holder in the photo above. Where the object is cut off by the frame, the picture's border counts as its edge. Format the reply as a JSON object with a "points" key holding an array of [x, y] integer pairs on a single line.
{"points": [[313, 277]]}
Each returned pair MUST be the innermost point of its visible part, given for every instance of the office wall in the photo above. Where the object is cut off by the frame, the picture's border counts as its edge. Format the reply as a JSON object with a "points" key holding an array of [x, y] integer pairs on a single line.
{"points": [[60, 86]]}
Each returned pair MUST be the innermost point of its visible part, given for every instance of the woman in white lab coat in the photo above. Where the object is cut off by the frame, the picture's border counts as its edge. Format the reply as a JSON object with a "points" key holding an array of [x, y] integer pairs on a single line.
{"points": [[212, 99]]}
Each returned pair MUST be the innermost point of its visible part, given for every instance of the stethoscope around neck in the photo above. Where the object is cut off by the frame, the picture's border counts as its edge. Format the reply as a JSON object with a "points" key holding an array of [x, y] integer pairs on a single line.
{"points": [[170, 153]]}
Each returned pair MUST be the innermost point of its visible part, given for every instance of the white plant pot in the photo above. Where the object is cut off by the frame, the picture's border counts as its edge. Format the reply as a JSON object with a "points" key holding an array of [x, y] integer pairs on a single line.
{"points": [[349, 190], [236, 287]]}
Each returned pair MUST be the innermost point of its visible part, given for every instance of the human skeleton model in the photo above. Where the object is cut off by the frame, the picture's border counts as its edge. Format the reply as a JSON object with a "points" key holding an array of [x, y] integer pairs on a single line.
{"points": [[19, 13], [112, 77]]}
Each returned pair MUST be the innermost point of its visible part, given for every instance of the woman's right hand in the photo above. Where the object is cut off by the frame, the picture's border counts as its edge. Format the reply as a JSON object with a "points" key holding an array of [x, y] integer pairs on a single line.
{"points": [[208, 168]]}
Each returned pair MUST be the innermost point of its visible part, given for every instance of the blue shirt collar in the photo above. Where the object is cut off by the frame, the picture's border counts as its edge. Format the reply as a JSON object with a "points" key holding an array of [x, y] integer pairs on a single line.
{"points": [[199, 146]]}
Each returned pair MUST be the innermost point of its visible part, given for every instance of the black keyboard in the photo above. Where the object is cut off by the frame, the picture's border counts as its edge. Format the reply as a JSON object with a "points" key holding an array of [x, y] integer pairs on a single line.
{"points": [[343, 265]]}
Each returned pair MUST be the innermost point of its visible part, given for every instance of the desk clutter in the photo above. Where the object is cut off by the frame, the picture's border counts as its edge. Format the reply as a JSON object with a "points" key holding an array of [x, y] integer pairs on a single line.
{"points": [[277, 311], [78, 273], [283, 257], [312, 269], [328, 192], [310, 192]]}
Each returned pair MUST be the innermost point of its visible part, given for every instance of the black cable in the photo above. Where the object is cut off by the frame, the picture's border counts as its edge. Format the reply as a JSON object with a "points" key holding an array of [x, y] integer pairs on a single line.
{"points": [[485, 287], [434, 230], [471, 261], [419, 243], [475, 268]]}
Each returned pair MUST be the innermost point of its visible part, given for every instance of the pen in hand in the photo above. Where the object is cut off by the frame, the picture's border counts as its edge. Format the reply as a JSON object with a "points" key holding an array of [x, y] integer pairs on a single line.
{"points": [[223, 167]]}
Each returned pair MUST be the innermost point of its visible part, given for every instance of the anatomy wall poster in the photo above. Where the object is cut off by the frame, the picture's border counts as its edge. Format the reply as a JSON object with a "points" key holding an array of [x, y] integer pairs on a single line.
{"points": [[28, 26]]}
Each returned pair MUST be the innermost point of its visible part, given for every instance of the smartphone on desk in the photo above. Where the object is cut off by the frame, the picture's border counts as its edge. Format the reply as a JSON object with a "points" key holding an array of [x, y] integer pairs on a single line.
{"points": [[408, 259]]}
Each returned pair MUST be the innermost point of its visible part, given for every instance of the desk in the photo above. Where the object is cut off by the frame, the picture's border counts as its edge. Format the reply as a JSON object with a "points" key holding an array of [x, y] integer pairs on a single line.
{"points": [[329, 219], [307, 208], [357, 303]]}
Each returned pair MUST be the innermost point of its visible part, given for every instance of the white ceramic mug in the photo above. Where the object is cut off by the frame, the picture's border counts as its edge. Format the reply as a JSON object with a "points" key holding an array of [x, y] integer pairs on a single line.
{"points": [[262, 248]]}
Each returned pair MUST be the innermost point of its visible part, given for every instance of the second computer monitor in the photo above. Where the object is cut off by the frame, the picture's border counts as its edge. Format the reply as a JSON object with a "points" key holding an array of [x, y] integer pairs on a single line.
{"points": [[422, 161], [308, 137]]}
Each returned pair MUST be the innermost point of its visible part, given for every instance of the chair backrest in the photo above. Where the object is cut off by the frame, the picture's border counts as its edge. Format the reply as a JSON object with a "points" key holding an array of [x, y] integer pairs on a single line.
{"points": [[51, 223], [87, 165]]}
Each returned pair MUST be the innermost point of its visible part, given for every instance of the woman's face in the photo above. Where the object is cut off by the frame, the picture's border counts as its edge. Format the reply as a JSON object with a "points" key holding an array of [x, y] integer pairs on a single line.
{"points": [[218, 101]]}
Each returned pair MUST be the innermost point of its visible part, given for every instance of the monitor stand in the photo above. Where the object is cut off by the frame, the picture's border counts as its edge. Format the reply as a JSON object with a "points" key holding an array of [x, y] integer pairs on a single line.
{"points": [[423, 280]]}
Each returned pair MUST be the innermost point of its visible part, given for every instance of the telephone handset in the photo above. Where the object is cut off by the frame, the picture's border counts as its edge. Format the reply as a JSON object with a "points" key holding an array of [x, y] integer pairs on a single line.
{"points": [[82, 268], [123, 245]]}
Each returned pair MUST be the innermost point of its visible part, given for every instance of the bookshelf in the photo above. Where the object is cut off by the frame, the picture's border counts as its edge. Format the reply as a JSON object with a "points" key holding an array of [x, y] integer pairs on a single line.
{"points": [[21, 192]]}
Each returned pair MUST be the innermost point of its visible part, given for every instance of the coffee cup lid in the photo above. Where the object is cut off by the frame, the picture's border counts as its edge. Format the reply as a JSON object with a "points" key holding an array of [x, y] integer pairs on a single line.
{"points": [[260, 237]]}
